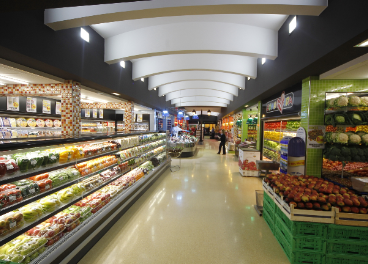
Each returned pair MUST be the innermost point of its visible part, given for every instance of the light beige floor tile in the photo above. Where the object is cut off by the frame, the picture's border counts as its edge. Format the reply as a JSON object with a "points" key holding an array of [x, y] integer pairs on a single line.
{"points": [[201, 214]]}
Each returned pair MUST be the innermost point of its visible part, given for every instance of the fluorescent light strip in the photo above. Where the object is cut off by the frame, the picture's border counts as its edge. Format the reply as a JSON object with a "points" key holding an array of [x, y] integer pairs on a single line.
{"points": [[122, 64], [116, 93], [363, 44], [12, 79], [84, 34], [142, 79], [263, 61], [292, 25]]}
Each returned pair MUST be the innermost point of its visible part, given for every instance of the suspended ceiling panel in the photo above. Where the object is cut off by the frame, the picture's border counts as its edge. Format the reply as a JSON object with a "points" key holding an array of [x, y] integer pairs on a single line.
{"points": [[355, 69]]}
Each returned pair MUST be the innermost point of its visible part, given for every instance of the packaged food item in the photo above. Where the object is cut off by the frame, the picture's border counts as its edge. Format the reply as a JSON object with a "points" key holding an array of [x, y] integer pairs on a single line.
{"points": [[57, 123], [31, 212], [58, 177], [32, 133], [39, 177], [27, 187], [10, 164], [7, 187], [49, 203], [49, 133], [13, 122], [65, 155], [44, 185], [73, 173], [40, 133], [49, 123], [9, 197], [40, 122], [2, 169], [6, 134], [65, 195], [31, 122], [9, 222], [46, 230], [21, 122], [23, 133], [5, 121], [14, 133]]}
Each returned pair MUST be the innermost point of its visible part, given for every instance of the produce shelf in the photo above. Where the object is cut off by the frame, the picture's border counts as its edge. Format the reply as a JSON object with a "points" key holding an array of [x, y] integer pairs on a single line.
{"points": [[26, 227], [270, 149], [52, 252], [272, 140], [20, 176]]}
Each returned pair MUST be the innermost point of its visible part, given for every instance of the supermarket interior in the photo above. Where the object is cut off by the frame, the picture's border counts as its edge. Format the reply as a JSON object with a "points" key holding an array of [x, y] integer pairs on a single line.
{"points": [[112, 114]]}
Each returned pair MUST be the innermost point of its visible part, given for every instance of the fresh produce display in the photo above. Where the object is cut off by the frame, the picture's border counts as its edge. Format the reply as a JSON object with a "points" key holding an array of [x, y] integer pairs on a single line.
{"points": [[10, 221], [309, 192], [349, 118], [27, 187], [352, 100], [96, 164], [10, 196], [273, 135], [272, 155], [292, 125], [282, 125], [31, 212], [272, 145], [337, 152]]}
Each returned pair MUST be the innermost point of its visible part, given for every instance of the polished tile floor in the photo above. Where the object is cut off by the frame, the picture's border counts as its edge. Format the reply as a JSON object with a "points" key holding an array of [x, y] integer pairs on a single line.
{"points": [[202, 213]]}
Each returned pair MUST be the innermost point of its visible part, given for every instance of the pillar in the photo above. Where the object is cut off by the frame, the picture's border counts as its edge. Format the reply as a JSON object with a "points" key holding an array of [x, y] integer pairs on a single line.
{"points": [[128, 116]]}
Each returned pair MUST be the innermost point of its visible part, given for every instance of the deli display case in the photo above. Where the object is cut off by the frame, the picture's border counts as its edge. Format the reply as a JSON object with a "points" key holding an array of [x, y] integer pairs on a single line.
{"points": [[56, 194]]}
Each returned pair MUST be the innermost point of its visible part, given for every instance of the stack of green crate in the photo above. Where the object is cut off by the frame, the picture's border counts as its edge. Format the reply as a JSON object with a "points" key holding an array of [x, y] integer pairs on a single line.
{"points": [[347, 245], [302, 242], [268, 213]]}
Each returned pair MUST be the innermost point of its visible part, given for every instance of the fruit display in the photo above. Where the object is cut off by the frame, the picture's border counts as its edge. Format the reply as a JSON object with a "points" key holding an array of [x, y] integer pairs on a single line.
{"points": [[31, 212], [10, 196], [10, 222], [282, 125], [273, 135], [309, 192], [94, 165], [21, 248], [272, 145], [272, 155], [49, 203], [27, 187], [46, 230]]}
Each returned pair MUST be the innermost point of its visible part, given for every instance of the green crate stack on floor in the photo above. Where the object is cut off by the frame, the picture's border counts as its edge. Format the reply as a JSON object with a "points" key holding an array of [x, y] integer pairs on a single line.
{"points": [[302, 242], [268, 213], [347, 245]]}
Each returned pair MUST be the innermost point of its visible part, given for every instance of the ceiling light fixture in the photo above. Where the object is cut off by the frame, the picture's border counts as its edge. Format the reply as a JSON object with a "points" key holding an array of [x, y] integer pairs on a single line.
{"points": [[209, 112], [154, 88], [122, 64], [363, 44], [246, 105], [194, 112], [116, 93], [142, 79], [248, 78], [2, 83], [263, 61], [84, 34], [292, 25], [12, 79]]}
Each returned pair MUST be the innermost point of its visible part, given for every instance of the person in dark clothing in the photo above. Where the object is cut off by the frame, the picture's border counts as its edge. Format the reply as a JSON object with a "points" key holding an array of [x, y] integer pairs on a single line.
{"points": [[222, 143]]}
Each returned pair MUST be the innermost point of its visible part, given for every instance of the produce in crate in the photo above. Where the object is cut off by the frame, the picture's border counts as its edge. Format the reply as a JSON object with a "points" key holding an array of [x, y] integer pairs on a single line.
{"points": [[307, 192]]}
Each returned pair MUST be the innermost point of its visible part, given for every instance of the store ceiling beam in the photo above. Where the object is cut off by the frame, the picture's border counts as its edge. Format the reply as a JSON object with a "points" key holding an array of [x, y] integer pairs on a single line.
{"points": [[174, 77], [192, 37], [199, 104], [234, 64], [200, 99], [71, 17], [185, 85], [199, 92]]}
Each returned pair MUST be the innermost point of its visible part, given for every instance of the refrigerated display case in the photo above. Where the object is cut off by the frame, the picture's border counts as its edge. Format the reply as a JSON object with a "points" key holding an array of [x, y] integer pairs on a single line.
{"points": [[276, 133], [56, 194], [97, 126]]}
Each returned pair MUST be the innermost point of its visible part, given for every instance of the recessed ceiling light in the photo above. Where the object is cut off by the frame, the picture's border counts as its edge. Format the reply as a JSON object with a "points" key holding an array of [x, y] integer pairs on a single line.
{"points": [[246, 105], [12, 79], [142, 79], [154, 88], [84, 34], [248, 78], [363, 44], [292, 25], [122, 64], [263, 60], [116, 93]]}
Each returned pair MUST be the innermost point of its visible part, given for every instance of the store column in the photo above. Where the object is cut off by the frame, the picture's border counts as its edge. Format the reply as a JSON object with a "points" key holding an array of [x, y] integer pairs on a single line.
{"points": [[70, 109], [128, 116]]}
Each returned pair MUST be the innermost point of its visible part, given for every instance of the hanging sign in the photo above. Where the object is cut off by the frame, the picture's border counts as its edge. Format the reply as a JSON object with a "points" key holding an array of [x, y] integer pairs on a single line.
{"points": [[31, 105], [87, 112], [46, 106], [101, 113], [315, 137], [139, 117], [58, 108], [285, 101], [94, 113], [301, 133], [12, 103]]}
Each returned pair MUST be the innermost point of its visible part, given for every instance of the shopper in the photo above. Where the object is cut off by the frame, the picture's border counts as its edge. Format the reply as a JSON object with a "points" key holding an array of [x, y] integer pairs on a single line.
{"points": [[222, 143], [213, 133]]}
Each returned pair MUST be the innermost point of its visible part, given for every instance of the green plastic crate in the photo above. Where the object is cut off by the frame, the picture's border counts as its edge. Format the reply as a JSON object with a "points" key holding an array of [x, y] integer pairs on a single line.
{"points": [[269, 220], [297, 228], [268, 199], [345, 259], [269, 208], [304, 243], [347, 232], [283, 243], [347, 247], [301, 257]]}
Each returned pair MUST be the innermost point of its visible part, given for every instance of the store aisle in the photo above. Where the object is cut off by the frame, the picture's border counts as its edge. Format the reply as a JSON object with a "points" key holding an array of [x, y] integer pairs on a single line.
{"points": [[201, 214]]}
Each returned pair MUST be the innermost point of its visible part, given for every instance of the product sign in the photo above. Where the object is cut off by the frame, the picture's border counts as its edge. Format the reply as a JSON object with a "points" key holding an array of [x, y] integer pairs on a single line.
{"points": [[46, 106], [101, 113], [94, 113], [301, 133], [58, 108], [31, 105], [285, 101], [87, 112], [139, 117], [315, 137], [12, 103]]}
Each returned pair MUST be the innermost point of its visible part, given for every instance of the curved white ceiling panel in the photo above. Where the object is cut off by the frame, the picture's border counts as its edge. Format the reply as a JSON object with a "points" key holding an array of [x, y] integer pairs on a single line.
{"points": [[199, 104], [235, 64], [200, 99], [172, 87], [68, 17], [173, 77], [198, 92], [192, 37]]}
